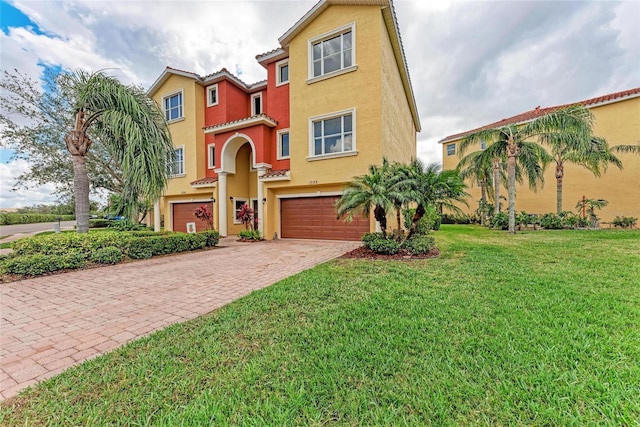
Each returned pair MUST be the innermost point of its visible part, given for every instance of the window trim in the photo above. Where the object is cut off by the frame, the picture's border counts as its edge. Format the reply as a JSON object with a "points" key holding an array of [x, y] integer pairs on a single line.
{"points": [[235, 211], [209, 90], [333, 115], [454, 149], [171, 95], [279, 134], [325, 36], [211, 165], [279, 66], [178, 175], [253, 105]]}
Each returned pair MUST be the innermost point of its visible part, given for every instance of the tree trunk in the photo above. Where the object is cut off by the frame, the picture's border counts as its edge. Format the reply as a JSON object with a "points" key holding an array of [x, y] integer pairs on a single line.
{"points": [[78, 144], [81, 192], [483, 201], [398, 218], [381, 216], [511, 175], [420, 211], [559, 179], [496, 186]]}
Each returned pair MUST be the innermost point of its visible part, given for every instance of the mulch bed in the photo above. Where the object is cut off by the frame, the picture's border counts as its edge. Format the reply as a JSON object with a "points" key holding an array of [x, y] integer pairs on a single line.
{"points": [[366, 253]]}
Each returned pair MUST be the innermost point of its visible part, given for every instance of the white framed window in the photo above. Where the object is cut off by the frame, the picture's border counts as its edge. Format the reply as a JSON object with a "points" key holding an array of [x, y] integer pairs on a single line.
{"points": [[451, 149], [237, 206], [212, 95], [483, 144], [256, 103], [332, 134], [283, 144], [332, 52], [176, 163], [211, 151], [173, 106], [282, 72]]}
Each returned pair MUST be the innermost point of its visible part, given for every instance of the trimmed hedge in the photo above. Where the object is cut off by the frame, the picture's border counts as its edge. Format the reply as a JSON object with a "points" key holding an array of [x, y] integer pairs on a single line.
{"points": [[36, 265], [16, 218], [42, 254], [108, 255]]}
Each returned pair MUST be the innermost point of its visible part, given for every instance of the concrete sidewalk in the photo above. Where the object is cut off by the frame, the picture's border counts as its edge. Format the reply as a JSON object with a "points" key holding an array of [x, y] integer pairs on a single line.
{"points": [[52, 323]]}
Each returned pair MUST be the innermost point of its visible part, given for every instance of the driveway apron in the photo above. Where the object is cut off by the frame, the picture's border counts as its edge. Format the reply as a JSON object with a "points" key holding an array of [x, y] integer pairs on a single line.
{"points": [[51, 323]]}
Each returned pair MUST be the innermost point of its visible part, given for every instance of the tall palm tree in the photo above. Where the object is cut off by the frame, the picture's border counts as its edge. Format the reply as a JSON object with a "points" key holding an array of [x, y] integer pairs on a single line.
{"points": [[478, 166], [495, 153], [574, 143], [375, 189], [428, 185], [134, 128], [516, 142]]}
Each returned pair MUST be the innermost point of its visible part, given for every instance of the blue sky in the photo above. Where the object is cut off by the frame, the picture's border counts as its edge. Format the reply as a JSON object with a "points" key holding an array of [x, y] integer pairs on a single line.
{"points": [[471, 62]]}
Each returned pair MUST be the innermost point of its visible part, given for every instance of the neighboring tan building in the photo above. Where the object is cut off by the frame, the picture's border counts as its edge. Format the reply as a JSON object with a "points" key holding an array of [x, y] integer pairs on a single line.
{"points": [[617, 119], [337, 99]]}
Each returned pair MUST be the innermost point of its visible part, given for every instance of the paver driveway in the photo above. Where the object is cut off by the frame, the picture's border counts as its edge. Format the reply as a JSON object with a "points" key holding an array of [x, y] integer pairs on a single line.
{"points": [[51, 323]]}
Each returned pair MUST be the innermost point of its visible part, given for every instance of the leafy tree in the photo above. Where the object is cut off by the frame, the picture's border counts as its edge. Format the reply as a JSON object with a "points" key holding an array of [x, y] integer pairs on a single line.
{"points": [[33, 123], [122, 119], [575, 144], [378, 190]]}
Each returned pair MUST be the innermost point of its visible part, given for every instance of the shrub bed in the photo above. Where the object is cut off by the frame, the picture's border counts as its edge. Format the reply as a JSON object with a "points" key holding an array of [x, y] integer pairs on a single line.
{"points": [[38, 255], [16, 218]]}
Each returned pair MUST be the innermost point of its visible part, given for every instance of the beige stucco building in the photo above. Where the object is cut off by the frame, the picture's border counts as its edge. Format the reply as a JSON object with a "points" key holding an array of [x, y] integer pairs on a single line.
{"points": [[617, 119]]}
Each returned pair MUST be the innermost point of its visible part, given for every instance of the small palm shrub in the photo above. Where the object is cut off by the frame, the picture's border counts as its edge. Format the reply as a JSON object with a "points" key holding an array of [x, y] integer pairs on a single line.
{"points": [[624, 221], [501, 220], [108, 255]]}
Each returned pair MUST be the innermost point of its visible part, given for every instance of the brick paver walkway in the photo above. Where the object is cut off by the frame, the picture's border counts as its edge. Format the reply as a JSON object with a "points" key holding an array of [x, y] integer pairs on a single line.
{"points": [[50, 323]]}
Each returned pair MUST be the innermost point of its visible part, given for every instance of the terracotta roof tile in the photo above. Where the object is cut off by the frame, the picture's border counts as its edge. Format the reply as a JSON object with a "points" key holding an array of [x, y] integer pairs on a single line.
{"points": [[205, 181], [539, 112], [275, 173], [240, 121]]}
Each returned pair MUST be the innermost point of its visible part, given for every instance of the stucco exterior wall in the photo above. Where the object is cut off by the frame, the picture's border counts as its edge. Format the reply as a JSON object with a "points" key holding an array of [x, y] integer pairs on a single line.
{"points": [[354, 90], [398, 129], [618, 123]]}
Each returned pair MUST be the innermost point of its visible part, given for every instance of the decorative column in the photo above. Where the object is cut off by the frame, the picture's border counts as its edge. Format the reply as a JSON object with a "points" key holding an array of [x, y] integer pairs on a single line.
{"points": [[261, 171], [156, 215], [222, 203]]}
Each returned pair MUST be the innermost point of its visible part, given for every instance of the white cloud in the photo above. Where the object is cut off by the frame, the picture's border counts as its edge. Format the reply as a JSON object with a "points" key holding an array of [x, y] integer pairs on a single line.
{"points": [[471, 62], [21, 198]]}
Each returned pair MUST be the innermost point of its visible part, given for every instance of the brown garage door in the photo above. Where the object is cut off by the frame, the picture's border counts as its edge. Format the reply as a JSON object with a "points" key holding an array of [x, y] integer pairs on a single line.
{"points": [[183, 213], [315, 218]]}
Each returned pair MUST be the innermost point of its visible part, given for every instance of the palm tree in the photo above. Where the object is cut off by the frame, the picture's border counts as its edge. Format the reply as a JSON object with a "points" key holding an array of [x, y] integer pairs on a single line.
{"points": [[478, 167], [131, 124], [571, 146], [515, 141], [429, 185], [375, 189]]}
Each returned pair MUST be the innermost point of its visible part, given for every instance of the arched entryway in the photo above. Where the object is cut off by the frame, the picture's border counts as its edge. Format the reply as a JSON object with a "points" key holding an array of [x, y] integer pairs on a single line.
{"points": [[239, 183]]}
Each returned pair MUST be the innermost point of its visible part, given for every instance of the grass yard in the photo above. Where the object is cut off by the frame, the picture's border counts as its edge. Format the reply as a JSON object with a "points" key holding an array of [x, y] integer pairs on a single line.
{"points": [[540, 328]]}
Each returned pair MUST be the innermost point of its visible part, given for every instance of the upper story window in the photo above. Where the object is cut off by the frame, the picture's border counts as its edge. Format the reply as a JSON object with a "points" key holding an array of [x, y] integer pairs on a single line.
{"points": [[212, 95], [333, 134], [451, 149], [332, 52], [256, 103], [212, 156], [282, 72], [173, 106], [483, 144], [176, 163], [283, 144]]}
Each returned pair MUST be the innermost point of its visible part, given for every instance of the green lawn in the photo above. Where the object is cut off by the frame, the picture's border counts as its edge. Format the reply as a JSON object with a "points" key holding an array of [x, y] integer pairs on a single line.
{"points": [[540, 328]]}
